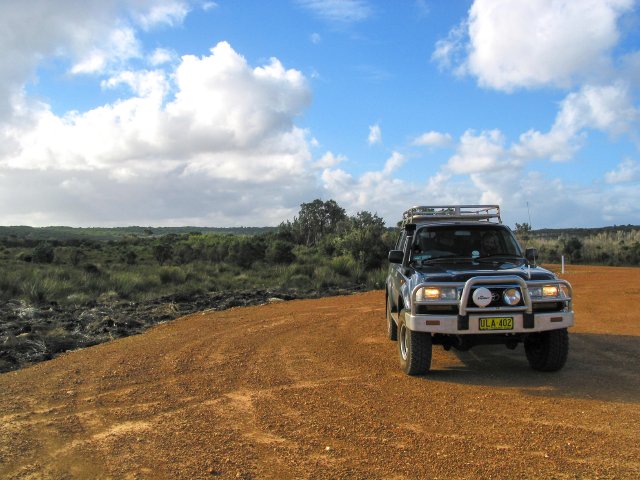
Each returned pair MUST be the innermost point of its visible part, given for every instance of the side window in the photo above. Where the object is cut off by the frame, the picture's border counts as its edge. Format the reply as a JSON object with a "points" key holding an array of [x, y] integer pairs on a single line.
{"points": [[400, 242]]}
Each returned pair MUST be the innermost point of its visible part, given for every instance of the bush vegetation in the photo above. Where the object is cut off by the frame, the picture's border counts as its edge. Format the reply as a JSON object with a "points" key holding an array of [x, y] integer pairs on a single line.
{"points": [[321, 249], [612, 246]]}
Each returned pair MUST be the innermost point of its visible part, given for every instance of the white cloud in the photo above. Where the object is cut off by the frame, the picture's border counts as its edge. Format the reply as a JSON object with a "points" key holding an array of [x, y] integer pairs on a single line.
{"points": [[557, 145], [511, 45], [329, 160], [225, 140], [315, 38], [608, 108], [160, 56], [394, 162], [627, 171], [449, 52], [432, 139], [168, 12], [340, 11], [92, 35], [206, 6], [478, 153], [375, 134]]}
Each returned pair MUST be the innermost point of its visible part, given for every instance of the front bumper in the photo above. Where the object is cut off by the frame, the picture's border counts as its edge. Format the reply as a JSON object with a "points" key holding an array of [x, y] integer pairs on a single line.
{"points": [[450, 324], [467, 321]]}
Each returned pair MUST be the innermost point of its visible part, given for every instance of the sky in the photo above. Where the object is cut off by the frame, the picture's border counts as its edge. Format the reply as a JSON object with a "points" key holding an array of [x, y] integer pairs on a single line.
{"points": [[234, 112]]}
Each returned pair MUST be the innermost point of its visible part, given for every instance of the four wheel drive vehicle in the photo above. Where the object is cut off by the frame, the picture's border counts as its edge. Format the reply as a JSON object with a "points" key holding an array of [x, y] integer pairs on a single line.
{"points": [[459, 278]]}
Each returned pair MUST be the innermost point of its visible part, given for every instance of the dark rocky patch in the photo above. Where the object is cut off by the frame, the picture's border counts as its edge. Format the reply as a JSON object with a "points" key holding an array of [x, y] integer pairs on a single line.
{"points": [[30, 334]]}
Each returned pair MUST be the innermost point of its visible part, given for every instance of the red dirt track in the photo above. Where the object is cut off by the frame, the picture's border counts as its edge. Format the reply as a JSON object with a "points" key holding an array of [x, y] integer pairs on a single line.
{"points": [[312, 389]]}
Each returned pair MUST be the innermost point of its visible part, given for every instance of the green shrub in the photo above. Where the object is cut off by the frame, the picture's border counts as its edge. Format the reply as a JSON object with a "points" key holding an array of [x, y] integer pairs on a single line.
{"points": [[172, 275], [325, 277], [37, 290], [376, 279], [280, 251], [43, 253], [343, 265]]}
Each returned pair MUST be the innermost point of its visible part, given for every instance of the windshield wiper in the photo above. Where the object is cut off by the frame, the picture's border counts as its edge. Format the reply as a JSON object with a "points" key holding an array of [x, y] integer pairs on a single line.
{"points": [[442, 258], [498, 255]]}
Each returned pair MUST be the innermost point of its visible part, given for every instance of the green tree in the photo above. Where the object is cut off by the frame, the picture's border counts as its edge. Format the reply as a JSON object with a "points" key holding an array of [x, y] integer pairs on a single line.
{"points": [[317, 219], [573, 248], [163, 251], [364, 239]]}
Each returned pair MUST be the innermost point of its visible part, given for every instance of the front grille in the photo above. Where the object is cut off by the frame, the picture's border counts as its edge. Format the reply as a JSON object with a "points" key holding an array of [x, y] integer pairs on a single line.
{"points": [[548, 307], [437, 309]]}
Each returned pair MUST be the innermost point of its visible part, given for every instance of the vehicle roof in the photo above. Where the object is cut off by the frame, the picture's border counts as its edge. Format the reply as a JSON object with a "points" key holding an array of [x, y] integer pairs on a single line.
{"points": [[460, 223]]}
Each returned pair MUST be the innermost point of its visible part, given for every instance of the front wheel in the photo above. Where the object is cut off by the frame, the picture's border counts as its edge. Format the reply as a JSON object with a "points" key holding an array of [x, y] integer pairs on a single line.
{"points": [[547, 351], [414, 348]]}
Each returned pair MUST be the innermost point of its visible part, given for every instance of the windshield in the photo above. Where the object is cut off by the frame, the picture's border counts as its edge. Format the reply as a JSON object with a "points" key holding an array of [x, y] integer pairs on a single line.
{"points": [[468, 241]]}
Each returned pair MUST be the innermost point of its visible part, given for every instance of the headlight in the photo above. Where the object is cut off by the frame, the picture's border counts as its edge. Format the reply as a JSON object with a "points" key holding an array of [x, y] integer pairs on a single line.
{"points": [[548, 291], [511, 296], [436, 293]]}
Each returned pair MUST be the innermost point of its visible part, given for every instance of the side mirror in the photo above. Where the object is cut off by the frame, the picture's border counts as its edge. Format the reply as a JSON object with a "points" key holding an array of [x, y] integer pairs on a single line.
{"points": [[395, 256], [531, 254]]}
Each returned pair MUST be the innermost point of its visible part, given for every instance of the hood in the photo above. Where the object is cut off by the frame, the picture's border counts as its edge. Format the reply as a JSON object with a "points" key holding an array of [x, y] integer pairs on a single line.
{"points": [[461, 272]]}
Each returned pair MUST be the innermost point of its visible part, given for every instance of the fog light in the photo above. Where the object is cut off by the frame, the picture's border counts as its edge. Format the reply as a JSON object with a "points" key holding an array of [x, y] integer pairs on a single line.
{"points": [[511, 296], [482, 297]]}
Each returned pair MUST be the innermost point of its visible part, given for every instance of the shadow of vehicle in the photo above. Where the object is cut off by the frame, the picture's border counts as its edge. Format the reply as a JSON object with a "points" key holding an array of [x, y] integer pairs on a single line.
{"points": [[600, 367]]}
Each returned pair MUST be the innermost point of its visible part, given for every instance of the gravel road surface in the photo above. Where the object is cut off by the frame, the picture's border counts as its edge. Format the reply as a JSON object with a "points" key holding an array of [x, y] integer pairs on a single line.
{"points": [[312, 389]]}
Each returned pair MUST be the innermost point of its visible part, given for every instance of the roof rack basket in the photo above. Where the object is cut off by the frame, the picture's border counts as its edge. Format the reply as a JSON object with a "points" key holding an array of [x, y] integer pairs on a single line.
{"points": [[485, 213]]}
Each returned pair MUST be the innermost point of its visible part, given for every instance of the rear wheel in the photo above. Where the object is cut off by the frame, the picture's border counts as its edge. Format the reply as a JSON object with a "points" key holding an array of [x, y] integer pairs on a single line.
{"points": [[547, 351], [414, 348], [392, 328]]}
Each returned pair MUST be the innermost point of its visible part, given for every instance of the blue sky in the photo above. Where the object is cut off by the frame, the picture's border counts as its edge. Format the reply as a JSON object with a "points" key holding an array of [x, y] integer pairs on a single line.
{"points": [[227, 113]]}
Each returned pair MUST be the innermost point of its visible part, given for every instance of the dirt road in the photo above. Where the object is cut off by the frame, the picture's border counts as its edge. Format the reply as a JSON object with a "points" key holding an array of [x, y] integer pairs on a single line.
{"points": [[312, 389]]}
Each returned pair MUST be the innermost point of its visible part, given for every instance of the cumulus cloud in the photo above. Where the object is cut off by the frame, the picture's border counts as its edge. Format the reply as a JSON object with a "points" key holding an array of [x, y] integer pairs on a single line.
{"points": [[169, 13], [329, 160], [375, 134], [393, 163], [121, 45], [160, 56], [228, 129], [627, 171], [92, 35], [340, 11], [433, 139], [509, 45], [478, 153], [608, 108]]}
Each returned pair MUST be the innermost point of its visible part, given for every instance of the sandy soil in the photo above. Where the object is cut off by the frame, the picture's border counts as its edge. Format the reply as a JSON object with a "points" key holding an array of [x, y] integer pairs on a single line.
{"points": [[312, 389]]}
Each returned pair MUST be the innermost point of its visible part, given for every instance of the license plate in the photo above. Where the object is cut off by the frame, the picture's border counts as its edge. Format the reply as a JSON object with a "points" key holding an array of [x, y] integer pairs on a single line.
{"points": [[496, 323]]}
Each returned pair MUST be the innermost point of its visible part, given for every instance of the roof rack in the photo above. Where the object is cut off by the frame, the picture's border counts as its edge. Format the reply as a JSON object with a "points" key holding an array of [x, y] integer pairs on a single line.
{"points": [[486, 213]]}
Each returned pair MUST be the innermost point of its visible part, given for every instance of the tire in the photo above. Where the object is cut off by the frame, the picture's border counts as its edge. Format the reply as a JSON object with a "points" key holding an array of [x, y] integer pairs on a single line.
{"points": [[414, 348], [547, 351], [392, 328]]}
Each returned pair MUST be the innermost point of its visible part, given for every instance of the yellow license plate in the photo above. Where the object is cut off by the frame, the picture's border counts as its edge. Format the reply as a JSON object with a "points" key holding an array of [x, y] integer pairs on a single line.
{"points": [[496, 323]]}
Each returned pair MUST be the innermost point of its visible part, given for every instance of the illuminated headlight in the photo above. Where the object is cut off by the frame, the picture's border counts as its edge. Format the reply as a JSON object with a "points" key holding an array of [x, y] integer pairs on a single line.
{"points": [[548, 291], [436, 293], [511, 296]]}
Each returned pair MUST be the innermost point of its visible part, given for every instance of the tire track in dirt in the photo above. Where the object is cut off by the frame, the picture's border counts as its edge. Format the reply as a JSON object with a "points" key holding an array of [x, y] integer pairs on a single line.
{"points": [[312, 389]]}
